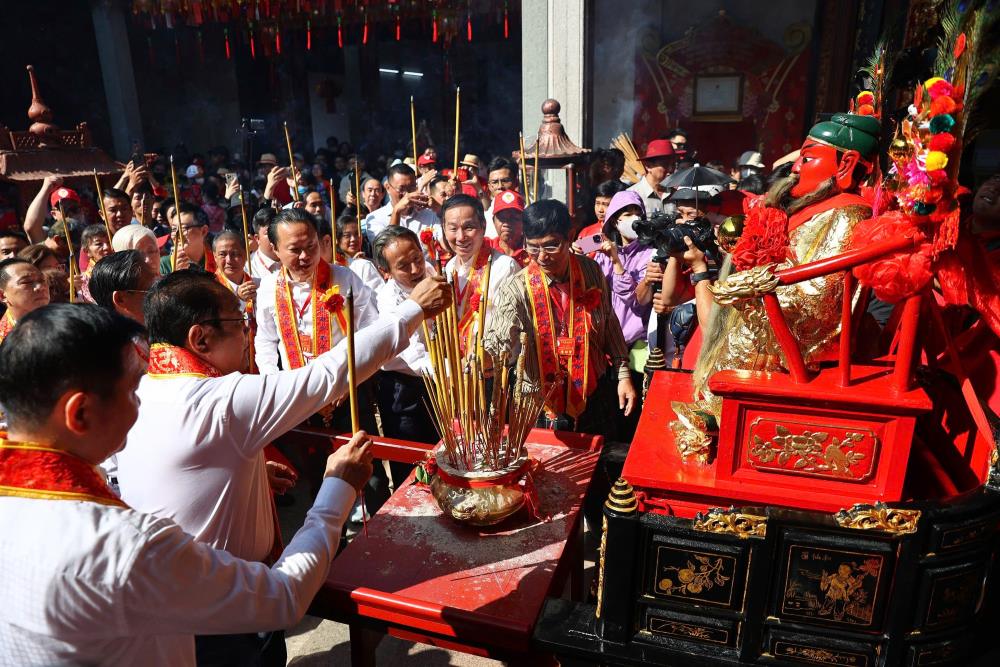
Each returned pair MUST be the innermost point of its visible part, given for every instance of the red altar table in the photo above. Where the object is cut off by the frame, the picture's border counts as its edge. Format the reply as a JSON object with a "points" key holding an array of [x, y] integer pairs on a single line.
{"points": [[421, 576]]}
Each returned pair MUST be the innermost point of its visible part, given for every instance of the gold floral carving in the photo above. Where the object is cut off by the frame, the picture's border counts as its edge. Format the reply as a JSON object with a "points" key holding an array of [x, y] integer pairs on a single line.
{"points": [[731, 522], [694, 578], [879, 517], [690, 432], [742, 285], [809, 451]]}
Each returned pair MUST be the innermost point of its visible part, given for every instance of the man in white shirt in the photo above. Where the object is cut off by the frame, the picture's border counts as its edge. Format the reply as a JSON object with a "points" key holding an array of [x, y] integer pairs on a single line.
{"points": [[406, 207], [263, 261], [302, 289], [464, 230], [89, 580], [195, 455]]}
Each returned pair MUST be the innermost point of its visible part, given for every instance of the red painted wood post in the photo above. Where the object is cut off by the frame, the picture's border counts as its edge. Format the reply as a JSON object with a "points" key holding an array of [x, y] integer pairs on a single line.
{"points": [[787, 342], [846, 330], [903, 371]]}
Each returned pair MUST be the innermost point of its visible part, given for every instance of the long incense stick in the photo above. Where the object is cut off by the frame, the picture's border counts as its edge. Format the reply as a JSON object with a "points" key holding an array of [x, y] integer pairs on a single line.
{"points": [[352, 386], [357, 190], [72, 254], [458, 115], [333, 223], [534, 188], [104, 211], [291, 164], [177, 212], [413, 131], [246, 227], [524, 169]]}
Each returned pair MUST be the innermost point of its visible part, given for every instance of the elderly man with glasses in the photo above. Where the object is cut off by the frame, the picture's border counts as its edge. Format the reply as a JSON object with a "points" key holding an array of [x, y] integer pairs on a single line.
{"points": [[561, 303]]}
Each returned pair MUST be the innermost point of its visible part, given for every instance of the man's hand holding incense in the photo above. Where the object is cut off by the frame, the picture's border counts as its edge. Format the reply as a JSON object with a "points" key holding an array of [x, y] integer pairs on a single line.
{"points": [[247, 291], [352, 462], [433, 294]]}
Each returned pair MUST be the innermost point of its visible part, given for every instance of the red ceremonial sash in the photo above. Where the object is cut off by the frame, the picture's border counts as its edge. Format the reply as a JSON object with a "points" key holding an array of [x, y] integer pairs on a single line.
{"points": [[325, 299], [470, 299], [842, 200], [341, 258], [6, 325], [554, 362], [29, 470], [172, 361]]}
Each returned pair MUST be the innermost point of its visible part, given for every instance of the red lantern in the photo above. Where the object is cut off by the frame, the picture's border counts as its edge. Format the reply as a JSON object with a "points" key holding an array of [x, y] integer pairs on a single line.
{"points": [[468, 26], [277, 40], [434, 29], [364, 34], [309, 36], [340, 32], [253, 46], [229, 54]]}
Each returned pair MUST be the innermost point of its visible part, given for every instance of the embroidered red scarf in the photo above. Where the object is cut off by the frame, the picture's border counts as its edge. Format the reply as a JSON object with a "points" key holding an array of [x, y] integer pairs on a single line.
{"points": [[470, 298], [171, 361], [558, 356], [6, 325], [340, 258], [326, 302], [29, 470]]}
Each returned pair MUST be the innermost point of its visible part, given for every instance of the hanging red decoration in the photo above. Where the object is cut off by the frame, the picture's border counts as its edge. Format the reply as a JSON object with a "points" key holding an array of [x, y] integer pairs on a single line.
{"points": [[364, 34], [468, 26], [506, 25], [253, 46], [340, 32], [397, 27], [434, 28], [309, 36], [277, 40], [229, 54]]}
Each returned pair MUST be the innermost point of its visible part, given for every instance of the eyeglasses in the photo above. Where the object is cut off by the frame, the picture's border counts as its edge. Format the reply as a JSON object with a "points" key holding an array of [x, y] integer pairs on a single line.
{"points": [[549, 249], [245, 319]]}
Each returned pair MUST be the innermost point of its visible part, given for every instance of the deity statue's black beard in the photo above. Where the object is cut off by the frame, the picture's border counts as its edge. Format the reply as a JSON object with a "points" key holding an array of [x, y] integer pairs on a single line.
{"points": [[780, 194]]}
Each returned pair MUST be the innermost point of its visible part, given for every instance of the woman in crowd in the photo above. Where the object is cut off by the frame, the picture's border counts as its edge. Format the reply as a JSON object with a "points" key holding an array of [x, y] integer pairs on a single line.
{"points": [[137, 237]]}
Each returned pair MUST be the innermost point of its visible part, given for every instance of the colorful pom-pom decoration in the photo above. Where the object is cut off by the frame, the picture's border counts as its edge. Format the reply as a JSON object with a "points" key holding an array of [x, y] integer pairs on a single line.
{"points": [[931, 81], [943, 142], [936, 160], [866, 110], [941, 88], [943, 105], [942, 123], [866, 97]]}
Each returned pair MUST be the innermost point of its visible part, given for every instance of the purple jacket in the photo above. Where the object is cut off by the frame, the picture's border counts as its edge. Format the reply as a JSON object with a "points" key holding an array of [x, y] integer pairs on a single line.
{"points": [[631, 314]]}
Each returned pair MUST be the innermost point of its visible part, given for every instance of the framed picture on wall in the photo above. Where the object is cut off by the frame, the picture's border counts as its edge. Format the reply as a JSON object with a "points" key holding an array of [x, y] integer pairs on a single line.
{"points": [[718, 96]]}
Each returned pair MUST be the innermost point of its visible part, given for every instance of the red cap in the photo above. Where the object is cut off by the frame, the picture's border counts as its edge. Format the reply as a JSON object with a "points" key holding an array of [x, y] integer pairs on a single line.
{"points": [[470, 189], [61, 193], [506, 200], [425, 160], [659, 148], [162, 241]]}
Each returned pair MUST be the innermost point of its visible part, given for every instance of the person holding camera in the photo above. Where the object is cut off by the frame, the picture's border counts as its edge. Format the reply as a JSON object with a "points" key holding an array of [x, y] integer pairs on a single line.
{"points": [[690, 271]]}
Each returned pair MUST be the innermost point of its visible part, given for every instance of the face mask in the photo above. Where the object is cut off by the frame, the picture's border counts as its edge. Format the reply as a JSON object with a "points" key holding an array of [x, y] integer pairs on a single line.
{"points": [[624, 226], [302, 189]]}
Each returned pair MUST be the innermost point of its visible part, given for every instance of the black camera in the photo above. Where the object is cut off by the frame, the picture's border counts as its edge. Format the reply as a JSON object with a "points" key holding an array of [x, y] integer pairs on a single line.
{"points": [[666, 231]]}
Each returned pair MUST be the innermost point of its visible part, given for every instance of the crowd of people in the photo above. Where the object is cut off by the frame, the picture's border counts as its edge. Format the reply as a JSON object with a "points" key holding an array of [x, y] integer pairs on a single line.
{"points": [[172, 342]]}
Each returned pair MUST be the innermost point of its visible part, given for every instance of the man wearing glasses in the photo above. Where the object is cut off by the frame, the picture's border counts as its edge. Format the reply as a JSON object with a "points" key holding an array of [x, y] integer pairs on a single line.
{"points": [[502, 175], [406, 207], [192, 252], [560, 301], [195, 453]]}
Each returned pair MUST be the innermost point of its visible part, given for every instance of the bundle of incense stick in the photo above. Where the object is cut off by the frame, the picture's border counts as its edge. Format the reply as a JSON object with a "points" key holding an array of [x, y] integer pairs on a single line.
{"points": [[480, 433], [634, 170]]}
